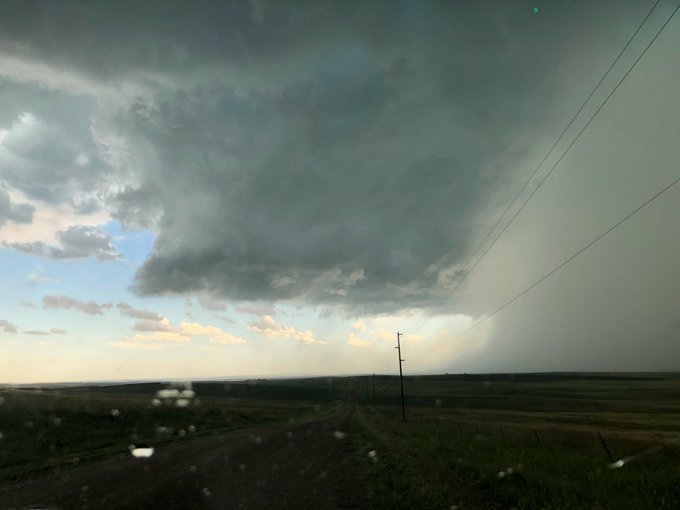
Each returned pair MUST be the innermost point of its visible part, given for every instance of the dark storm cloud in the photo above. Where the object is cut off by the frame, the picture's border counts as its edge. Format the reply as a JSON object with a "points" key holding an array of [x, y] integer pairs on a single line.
{"points": [[334, 152], [78, 241], [47, 150]]}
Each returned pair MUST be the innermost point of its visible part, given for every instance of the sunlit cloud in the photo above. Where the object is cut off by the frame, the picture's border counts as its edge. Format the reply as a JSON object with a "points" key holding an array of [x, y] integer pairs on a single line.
{"points": [[354, 340], [217, 335], [267, 326]]}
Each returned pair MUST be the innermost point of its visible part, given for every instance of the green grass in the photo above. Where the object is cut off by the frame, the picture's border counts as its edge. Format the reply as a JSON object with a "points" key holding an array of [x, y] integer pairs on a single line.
{"points": [[542, 436], [59, 428]]}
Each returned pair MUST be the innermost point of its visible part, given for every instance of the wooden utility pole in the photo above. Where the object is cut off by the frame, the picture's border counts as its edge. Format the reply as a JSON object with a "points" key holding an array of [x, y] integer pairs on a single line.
{"points": [[401, 376], [374, 388]]}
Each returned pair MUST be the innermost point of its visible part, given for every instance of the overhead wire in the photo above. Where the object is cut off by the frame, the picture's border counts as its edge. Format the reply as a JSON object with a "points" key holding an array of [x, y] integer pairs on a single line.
{"points": [[558, 267], [533, 174]]}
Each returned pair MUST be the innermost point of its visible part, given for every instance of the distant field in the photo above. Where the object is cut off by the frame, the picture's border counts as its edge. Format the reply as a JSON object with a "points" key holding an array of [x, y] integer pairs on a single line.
{"points": [[54, 429], [524, 441], [520, 441]]}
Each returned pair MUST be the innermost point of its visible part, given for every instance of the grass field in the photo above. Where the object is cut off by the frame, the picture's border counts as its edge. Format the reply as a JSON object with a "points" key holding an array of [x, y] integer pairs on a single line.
{"points": [[540, 441], [56, 428], [525, 441]]}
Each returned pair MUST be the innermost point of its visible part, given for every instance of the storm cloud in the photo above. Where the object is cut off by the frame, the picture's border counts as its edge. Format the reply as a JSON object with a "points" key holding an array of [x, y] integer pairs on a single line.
{"points": [[331, 154], [348, 157]]}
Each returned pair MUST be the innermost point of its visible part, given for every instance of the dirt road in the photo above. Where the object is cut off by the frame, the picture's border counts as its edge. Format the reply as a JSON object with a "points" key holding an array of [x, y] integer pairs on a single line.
{"points": [[300, 465]]}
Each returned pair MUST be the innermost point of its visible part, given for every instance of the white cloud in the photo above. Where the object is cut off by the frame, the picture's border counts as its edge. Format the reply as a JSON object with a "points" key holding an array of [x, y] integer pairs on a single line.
{"points": [[217, 335], [267, 326], [35, 277], [69, 303], [355, 341]]}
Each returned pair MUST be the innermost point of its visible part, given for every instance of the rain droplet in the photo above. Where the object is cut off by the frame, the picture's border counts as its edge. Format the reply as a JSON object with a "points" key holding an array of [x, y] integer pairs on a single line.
{"points": [[242, 467], [317, 407], [191, 428], [2, 400], [142, 452], [509, 471], [289, 435], [339, 435], [56, 420], [2, 435], [168, 393], [258, 440], [438, 402], [182, 402], [155, 402], [115, 413], [500, 474], [192, 468], [372, 454], [205, 491]]}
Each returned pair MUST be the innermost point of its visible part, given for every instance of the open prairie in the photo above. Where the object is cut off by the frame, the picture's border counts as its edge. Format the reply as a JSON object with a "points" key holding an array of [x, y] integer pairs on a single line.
{"points": [[470, 441]]}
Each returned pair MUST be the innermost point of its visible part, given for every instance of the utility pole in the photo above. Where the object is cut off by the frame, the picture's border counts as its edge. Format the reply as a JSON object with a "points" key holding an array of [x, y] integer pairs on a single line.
{"points": [[401, 376], [374, 388]]}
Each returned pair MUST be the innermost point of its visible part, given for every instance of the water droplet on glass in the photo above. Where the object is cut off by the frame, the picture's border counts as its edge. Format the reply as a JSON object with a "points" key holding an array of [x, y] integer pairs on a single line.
{"points": [[155, 402], [56, 421], [192, 469], [168, 393], [191, 428], [339, 434], [289, 435], [205, 491], [500, 474], [258, 440], [372, 454], [115, 413], [142, 453], [182, 432], [182, 402]]}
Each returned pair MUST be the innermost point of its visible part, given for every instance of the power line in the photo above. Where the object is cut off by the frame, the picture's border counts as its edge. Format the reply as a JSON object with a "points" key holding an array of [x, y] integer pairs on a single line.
{"points": [[562, 264], [447, 296]]}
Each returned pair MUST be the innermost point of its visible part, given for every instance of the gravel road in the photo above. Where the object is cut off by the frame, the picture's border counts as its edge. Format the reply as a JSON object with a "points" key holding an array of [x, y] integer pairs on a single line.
{"points": [[300, 465]]}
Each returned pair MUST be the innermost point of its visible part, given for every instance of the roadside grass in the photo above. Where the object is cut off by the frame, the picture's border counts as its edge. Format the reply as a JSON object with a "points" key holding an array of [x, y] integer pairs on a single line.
{"points": [[486, 456], [57, 429]]}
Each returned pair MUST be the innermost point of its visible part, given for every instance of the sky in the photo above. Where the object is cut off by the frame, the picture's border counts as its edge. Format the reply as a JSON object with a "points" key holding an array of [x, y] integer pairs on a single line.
{"points": [[266, 188]]}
